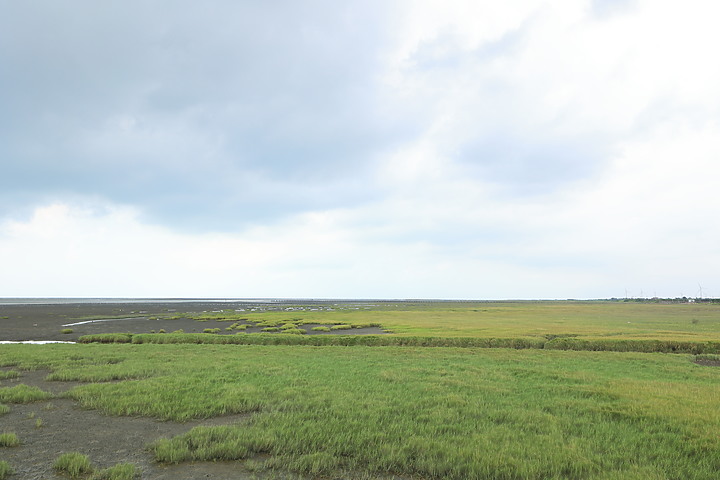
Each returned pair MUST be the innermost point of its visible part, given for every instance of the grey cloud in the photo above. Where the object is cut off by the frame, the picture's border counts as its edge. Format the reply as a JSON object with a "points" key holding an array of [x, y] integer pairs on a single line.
{"points": [[608, 8], [501, 132], [527, 165], [181, 107]]}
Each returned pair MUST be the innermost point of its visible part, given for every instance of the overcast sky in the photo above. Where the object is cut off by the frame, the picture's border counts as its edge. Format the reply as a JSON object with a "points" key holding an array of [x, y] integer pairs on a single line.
{"points": [[359, 149]]}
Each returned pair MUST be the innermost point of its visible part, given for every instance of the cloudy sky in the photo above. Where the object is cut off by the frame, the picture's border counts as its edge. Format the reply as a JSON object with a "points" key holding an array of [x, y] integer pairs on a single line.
{"points": [[359, 149]]}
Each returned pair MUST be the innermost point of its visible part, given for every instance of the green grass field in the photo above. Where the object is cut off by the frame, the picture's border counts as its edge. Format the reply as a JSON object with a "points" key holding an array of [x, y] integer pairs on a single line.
{"points": [[623, 320], [427, 413]]}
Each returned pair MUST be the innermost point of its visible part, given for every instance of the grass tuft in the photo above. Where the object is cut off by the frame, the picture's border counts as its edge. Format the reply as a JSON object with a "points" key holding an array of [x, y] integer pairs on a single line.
{"points": [[5, 470], [23, 394], [341, 327], [9, 439], [4, 409], [5, 374], [66, 330], [73, 464], [295, 331], [121, 471]]}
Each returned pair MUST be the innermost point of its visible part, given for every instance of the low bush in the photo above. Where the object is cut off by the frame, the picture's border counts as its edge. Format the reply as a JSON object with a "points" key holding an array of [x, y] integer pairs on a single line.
{"points": [[107, 338], [294, 337], [5, 374]]}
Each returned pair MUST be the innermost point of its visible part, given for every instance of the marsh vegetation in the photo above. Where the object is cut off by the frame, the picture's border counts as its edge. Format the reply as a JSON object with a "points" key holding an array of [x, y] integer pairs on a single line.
{"points": [[557, 404]]}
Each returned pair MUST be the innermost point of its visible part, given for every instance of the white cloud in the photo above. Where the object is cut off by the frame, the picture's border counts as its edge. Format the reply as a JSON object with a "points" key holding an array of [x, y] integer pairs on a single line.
{"points": [[437, 149], [68, 251]]}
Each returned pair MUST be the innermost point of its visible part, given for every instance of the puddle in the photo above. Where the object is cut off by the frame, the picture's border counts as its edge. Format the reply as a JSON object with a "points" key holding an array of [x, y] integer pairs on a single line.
{"points": [[102, 320]]}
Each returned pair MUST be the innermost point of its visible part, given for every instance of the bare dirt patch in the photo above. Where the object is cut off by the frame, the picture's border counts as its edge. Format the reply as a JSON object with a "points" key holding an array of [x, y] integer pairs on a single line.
{"points": [[708, 363], [49, 428]]}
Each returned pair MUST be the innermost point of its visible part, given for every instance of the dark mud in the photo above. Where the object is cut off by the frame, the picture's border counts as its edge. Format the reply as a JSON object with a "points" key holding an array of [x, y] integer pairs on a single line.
{"points": [[708, 363], [46, 322], [49, 428]]}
